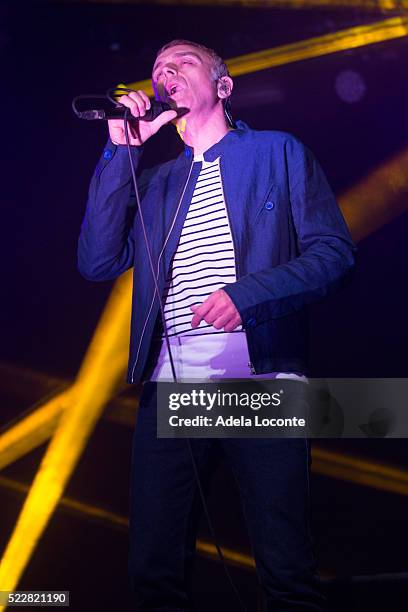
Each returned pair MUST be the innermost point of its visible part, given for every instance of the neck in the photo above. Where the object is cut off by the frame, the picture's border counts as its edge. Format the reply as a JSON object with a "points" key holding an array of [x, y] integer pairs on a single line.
{"points": [[201, 133]]}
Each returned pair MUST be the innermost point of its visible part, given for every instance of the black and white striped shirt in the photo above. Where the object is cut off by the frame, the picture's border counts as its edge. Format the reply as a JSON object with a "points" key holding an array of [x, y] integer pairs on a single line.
{"points": [[204, 260]]}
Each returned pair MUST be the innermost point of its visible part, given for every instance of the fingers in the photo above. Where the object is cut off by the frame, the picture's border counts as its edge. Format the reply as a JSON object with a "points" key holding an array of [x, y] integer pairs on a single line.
{"points": [[227, 320], [117, 132], [217, 310], [232, 323], [137, 101], [200, 312], [207, 310], [163, 118]]}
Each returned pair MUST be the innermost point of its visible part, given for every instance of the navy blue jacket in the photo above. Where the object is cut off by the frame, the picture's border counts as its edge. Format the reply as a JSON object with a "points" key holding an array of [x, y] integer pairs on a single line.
{"points": [[291, 243]]}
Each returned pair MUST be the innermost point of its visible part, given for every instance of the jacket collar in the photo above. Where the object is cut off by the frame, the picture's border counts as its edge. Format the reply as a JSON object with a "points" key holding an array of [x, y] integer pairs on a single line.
{"points": [[219, 147]]}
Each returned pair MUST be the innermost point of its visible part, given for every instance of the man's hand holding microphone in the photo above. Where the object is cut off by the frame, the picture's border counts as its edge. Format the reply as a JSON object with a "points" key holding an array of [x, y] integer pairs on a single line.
{"points": [[138, 103]]}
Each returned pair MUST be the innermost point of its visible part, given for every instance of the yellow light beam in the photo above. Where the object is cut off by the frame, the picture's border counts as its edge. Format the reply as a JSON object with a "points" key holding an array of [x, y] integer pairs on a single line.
{"points": [[36, 428], [33, 430], [350, 38], [89, 510], [101, 371], [116, 520], [113, 520], [35, 424], [383, 5], [109, 349], [359, 471], [378, 198]]}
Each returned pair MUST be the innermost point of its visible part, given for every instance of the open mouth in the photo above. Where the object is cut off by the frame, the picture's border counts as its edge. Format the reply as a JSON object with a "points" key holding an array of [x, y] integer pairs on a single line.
{"points": [[173, 90]]}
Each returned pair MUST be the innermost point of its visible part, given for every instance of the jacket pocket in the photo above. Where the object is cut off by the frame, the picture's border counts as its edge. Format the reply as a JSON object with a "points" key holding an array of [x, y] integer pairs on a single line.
{"points": [[268, 203]]}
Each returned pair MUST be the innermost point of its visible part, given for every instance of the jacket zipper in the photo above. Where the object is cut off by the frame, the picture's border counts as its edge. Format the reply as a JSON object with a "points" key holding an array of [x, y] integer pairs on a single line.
{"points": [[157, 274], [250, 364]]}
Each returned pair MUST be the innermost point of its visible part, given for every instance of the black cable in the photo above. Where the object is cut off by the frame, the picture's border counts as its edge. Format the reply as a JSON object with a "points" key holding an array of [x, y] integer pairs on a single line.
{"points": [[156, 286], [111, 93], [157, 291], [74, 103], [211, 527]]}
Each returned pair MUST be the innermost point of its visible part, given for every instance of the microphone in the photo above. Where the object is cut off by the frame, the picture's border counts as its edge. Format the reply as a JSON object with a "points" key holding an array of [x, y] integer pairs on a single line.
{"points": [[119, 112]]}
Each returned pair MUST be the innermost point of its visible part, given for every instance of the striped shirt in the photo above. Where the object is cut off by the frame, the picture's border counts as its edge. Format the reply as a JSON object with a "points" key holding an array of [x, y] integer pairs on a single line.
{"points": [[204, 260]]}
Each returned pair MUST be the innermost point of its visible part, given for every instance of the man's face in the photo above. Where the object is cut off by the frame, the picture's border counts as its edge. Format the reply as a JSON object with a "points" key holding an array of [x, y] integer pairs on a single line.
{"points": [[183, 77]]}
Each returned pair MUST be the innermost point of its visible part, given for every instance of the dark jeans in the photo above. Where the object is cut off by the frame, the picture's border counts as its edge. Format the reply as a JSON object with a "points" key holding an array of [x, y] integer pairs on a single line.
{"points": [[273, 480]]}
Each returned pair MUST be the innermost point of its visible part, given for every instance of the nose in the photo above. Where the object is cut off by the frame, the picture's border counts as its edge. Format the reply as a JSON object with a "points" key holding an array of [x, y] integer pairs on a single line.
{"points": [[170, 69]]}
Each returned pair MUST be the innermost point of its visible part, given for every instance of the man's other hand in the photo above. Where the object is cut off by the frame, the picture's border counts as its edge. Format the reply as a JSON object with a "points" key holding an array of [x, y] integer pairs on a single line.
{"points": [[217, 310]]}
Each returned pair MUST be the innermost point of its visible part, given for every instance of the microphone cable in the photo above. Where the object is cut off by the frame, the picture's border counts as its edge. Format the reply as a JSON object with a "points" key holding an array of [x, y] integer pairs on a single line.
{"points": [[157, 291]]}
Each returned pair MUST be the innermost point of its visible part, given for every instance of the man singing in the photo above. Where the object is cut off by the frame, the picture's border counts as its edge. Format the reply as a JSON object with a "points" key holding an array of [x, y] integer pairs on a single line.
{"points": [[244, 233]]}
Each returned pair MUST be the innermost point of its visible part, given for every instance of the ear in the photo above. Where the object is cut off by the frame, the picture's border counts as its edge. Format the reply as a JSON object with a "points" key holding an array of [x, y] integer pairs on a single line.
{"points": [[224, 87]]}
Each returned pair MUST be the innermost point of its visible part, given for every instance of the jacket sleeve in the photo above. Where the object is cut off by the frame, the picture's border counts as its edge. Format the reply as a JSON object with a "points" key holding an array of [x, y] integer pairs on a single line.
{"points": [[106, 245], [326, 251]]}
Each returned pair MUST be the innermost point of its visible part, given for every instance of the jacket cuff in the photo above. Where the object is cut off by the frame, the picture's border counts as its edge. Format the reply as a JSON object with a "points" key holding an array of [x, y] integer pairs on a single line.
{"points": [[115, 152], [247, 314]]}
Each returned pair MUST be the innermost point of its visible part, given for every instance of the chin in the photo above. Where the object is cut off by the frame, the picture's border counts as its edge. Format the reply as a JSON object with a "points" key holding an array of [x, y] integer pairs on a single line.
{"points": [[176, 103]]}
